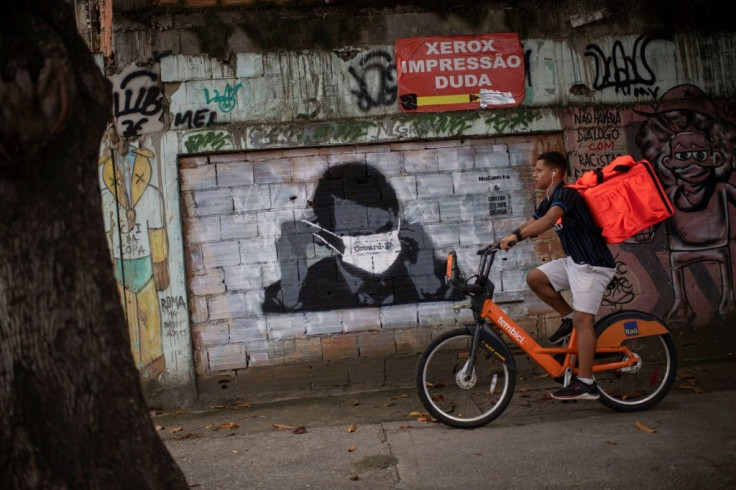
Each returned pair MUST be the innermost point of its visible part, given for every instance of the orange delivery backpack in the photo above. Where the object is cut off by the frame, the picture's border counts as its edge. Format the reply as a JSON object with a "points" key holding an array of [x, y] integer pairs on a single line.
{"points": [[624, 198]]}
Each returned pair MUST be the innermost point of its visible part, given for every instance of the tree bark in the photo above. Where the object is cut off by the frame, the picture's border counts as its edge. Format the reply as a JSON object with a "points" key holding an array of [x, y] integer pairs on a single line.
{"points": [[73, 414]]}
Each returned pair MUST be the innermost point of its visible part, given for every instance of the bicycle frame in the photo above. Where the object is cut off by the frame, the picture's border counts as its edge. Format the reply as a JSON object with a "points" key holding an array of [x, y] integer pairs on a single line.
{"points": [[610, 339]]}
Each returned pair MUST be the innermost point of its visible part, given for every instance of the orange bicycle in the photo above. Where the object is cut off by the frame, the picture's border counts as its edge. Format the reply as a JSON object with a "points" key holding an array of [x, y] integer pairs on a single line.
{"points": [[466, 377]]}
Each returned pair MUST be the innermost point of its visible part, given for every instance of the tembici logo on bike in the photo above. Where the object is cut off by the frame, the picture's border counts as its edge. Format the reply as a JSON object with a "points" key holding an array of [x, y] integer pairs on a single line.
{"points": [[510, 330]]}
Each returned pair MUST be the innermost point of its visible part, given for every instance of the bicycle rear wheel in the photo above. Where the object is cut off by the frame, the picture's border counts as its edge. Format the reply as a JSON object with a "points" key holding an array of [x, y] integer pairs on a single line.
{"points": [[454, 396], [645, 384]]}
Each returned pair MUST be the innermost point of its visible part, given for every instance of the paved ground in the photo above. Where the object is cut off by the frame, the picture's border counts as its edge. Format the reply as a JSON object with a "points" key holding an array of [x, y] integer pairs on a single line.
{"points": [[372, 440]]}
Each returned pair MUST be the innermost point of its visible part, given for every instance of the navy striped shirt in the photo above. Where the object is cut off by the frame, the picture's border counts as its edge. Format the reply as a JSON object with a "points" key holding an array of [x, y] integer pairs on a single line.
{"points": [[580, 237]]}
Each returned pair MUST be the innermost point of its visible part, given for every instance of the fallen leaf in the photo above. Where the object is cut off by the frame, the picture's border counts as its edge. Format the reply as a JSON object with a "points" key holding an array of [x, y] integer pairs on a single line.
{"points": [[189, 435], [351, 428], [177, 429], [180, 412], [219, 406], [243, 404], [283, 427], [300, 430], [229, 425], [159, 427], [353, 477], [405, 427], [612, 443], [415, 414], [390, 404], [352, 448], [644, 428], [694, 389]]}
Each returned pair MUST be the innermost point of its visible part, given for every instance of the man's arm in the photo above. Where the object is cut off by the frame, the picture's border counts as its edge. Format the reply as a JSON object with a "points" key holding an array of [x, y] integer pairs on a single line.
{"points": [[533, 227]]}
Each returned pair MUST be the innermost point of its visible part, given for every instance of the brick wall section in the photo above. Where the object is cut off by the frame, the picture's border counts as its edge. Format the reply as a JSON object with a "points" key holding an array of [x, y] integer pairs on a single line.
{"points": [[236, 206]]}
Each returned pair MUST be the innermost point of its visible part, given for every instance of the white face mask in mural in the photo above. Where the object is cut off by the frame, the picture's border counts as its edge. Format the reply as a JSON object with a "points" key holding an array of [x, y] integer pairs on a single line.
{"points": [[374, 253]]}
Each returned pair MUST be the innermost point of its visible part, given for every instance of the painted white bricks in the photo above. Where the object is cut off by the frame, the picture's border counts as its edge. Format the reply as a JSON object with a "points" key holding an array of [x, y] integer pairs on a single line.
{"points": [[238, 226], [359, 320], [287, 196], [223, 357], [421, 161], [250, 238], [324, 322], [198, 178], [207, 283], [234, 174], [226, 306], [216, 254], [243, 277], [457, 158], [434, 185], [273, 172], [251, 198], [308, 169], [212, 333], [405, 187], [212, 202], [436, 314], [203, 230], [258, 250], [248, 330], [399, 316]]}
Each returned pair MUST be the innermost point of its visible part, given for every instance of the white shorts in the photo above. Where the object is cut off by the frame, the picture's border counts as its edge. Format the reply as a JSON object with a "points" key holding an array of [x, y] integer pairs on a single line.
{"points": [[587, 283]]}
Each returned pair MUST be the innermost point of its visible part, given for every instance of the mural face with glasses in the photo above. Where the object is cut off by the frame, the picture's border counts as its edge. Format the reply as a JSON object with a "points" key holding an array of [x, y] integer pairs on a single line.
{"points": [[356, 250]]}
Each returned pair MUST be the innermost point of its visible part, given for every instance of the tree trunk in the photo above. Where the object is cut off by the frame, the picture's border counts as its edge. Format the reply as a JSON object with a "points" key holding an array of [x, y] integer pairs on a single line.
{"points": [[73, 414]]}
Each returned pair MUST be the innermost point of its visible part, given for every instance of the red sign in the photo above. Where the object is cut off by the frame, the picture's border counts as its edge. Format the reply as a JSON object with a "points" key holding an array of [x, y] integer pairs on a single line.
{"points": [[450, 73]]}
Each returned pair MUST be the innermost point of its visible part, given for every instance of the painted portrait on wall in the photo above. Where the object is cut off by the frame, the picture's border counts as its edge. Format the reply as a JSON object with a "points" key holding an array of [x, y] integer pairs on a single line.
{"points": [[365, 254]]}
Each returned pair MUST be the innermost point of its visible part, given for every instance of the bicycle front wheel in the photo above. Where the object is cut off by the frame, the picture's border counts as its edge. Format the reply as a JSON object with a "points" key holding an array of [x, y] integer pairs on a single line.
{"points": [[645, 384], [456, 395]]}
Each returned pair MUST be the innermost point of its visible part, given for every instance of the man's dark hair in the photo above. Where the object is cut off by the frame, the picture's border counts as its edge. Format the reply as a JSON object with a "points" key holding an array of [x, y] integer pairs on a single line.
{"points": [[554, 159]]}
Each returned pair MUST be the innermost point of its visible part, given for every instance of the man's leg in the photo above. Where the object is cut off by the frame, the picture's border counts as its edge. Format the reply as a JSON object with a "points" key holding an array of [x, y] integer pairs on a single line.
{"points": [[542, 287], [583, 323]]}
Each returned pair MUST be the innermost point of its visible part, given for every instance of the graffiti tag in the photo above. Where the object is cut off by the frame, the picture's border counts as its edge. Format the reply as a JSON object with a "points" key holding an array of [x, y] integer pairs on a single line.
{"points": [[207, 140], [225, 102], [621, 70], [135, 100], [376, 79]]}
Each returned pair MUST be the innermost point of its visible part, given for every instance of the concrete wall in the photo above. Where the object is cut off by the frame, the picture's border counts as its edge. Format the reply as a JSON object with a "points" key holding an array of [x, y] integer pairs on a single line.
{"points": [[219, 163]]}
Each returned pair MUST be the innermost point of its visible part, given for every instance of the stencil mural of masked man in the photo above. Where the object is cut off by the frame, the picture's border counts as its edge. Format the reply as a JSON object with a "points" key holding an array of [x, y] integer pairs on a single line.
{"points": [[371, 256], [692, 149]]}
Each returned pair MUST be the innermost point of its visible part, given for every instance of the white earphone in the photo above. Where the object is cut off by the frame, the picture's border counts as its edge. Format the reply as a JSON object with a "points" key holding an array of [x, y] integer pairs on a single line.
{"points": [[554, 172]]}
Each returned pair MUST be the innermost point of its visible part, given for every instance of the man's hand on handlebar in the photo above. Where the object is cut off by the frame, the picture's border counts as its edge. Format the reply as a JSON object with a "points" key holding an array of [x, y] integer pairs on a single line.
{"points": [[507, 242]]}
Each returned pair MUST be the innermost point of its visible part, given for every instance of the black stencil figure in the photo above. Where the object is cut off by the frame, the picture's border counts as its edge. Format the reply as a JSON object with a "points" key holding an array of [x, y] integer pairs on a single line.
{"points": [[370, 256]]}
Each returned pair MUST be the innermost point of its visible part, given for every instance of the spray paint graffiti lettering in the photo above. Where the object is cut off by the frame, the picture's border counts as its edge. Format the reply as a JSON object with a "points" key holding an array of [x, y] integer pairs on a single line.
{"points": [[137, 99], [195, 119], [454, 125], [516, 120], [375, 75], [599, 117], [225, 102], [203, 140], [622, 71], [172, 302]]}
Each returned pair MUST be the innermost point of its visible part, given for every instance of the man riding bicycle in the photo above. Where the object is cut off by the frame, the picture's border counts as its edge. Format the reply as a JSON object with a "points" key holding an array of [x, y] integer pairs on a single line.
{"points": [[585, 271]]}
